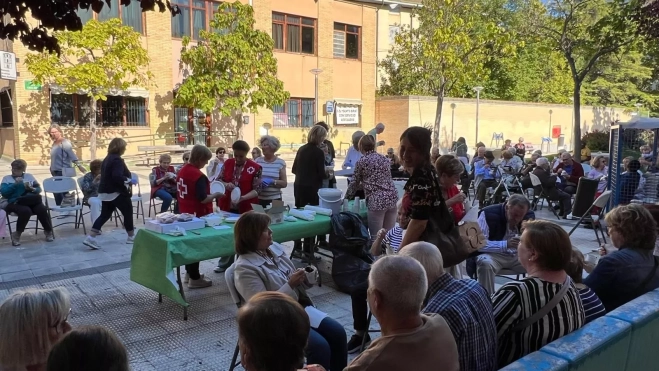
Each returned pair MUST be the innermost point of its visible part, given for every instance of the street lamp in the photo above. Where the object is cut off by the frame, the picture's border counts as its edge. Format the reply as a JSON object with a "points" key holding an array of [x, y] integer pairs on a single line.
{"points": [[478, 90], [638, 109], [316, 72], [549, 136], [453, 105]]}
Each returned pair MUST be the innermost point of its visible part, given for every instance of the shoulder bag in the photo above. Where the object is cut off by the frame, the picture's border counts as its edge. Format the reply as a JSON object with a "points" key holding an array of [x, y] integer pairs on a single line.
{"points": [[441, 231], [546, 308]]}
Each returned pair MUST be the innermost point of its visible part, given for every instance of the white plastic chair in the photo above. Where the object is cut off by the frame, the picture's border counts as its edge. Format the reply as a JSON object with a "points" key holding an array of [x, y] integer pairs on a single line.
{"points": [[61, 184], [601, 202], [117, 218], [137, 198], [238, 300]]}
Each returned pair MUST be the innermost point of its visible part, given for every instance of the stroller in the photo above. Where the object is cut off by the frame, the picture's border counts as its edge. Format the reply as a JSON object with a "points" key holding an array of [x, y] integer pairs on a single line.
{"points": [[348, 242], [509, 183]]}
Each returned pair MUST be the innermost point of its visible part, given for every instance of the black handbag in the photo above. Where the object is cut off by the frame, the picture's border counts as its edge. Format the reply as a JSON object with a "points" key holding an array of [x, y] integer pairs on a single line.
{"points": [[29, 199], [442, 232]]}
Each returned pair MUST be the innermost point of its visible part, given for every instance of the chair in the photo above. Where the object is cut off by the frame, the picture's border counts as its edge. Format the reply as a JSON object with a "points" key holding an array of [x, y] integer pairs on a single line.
{"points": [[601, 202], [117, 218], [535, 181], [370, 316], [36, 223], [62, 184], [238, 300], [137, 198]]}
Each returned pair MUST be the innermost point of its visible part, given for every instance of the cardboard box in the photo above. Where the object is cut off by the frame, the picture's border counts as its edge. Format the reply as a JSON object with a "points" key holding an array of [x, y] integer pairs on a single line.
{"points": [[154, 225], [275, 212]]}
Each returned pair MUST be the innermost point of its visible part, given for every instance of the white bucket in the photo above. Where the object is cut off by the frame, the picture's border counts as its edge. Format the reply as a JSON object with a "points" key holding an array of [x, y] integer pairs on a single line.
{"points": [[331, 198]]}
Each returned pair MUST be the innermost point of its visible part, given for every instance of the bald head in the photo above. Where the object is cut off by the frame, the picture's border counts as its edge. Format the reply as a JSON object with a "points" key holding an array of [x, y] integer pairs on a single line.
{"points": [[481, 151], [379, 128], [400, 283], [429, 256]]}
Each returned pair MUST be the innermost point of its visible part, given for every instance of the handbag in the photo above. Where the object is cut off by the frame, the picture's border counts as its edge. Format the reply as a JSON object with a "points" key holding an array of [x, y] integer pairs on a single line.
{"points": [[551, 304], [67, 171], [441, 231], [30, 199]]}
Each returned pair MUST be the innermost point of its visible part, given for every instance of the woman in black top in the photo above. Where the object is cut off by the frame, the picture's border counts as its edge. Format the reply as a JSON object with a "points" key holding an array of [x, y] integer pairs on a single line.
{"points": [[115, 192], [309, 170]]}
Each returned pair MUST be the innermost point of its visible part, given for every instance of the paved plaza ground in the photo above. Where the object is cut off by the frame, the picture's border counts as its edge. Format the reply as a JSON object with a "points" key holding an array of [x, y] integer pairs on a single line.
{"points": [[155, 334]]}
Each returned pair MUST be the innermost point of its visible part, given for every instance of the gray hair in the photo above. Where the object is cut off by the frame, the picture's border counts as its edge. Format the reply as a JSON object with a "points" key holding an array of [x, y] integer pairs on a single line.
{"points": [[560, 151], [380, 126], [356, 136], [271, 141], [317, 135], [537, 152], [26, 318], [429, 256], [512, 150], [518, 200], [542, 161], [402, 283]]}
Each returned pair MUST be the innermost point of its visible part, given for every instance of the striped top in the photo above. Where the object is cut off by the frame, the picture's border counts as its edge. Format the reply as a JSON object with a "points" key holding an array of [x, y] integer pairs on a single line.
{"points": [[394, 238], [516, 301], [270, 170], [592, 305]]}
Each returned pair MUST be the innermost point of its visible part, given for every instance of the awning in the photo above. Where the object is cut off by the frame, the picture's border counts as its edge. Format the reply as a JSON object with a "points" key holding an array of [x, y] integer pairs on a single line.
{"points": [[641, 123], [130, 92], [349, 102]]}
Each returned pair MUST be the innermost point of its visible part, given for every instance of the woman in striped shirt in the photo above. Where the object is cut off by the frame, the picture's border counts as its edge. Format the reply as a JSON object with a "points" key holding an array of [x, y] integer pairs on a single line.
{"points": [[273, 170], [544, 251]]}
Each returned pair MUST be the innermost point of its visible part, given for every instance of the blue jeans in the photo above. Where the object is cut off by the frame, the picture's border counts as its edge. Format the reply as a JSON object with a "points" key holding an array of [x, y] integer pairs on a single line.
{"points": [[166, 198], [328, 345]]}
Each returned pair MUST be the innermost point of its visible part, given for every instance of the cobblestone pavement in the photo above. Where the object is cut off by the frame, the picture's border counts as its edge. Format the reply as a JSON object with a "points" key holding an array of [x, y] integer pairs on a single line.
{"points": [[155, 333]]}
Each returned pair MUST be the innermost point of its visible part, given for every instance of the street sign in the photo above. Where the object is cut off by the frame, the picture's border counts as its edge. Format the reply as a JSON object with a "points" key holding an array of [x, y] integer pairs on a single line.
{"points": [[30, 85], [329, 107], [7, 66]]}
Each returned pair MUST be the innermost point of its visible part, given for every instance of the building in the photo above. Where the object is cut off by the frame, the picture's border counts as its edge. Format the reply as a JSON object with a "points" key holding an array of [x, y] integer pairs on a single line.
{"points": [[329, 40]]}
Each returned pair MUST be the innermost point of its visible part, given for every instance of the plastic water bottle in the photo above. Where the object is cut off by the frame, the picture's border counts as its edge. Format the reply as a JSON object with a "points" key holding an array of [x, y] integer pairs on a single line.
{"points": [[355, 206], [346, 206]]}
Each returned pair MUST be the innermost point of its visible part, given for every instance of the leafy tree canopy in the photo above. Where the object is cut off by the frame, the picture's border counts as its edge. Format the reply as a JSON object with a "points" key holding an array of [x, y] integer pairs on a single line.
{"points": [[231, 68], [54, 15]]}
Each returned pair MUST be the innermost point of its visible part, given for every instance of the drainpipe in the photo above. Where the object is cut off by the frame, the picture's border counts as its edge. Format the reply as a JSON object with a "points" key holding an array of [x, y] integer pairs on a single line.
{"points": [[250, 3], [377, 43]]}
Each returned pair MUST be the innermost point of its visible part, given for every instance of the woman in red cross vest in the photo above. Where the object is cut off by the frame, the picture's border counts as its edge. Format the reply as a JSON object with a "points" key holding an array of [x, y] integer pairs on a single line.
{"points": [[194, 197], [239, 172]]}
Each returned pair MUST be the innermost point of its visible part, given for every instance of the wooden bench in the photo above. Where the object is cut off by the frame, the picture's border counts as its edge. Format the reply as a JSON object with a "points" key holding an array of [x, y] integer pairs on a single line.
{"points": [[152, 151]]}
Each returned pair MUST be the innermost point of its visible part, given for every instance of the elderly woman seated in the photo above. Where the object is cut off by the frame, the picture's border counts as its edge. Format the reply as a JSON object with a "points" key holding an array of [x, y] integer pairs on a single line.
{"points": [[31, 322], [23, 195], [629, 269], [273, 330], [263, 266], [551, 191], [89, 188], [523, 325], [163, 182]]}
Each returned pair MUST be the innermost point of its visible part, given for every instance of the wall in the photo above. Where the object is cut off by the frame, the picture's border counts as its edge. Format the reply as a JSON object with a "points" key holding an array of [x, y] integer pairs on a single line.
{"points": [[401, 16], [514, 119]]}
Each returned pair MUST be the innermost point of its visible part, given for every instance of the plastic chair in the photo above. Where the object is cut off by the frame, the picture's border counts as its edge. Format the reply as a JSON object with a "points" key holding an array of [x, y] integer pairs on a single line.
{"points": [[601, 202], [535, 181], [370, 317], [238, 300], [61, 184], [137, 198], [117, 218]]}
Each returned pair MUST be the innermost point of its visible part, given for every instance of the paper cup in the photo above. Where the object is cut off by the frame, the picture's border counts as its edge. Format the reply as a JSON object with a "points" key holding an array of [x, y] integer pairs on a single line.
{"points": [[312, 274], [591, 258]]}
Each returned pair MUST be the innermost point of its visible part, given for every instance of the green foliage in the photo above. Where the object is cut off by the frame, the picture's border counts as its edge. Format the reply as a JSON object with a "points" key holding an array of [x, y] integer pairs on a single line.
{"points": [[104, 56], [596, 140], [448, 50], [232, 69]]}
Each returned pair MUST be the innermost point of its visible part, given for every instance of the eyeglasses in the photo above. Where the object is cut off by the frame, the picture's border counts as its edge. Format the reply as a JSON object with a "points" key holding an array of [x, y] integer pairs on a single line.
{"points": [[220, 152], [57, 324], [186, 158]]}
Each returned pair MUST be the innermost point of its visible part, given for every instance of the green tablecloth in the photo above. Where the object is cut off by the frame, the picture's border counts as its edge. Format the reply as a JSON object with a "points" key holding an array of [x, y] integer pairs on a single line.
{"points": [[155, 255]]}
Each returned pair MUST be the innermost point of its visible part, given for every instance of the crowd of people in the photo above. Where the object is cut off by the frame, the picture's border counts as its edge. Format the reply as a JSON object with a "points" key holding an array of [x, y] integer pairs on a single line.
{"points": [[430, 315]]}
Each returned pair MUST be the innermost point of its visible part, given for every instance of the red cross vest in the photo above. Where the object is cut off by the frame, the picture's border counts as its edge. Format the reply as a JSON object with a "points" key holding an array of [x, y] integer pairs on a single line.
{"points": [[250, 170], [186, 186]]}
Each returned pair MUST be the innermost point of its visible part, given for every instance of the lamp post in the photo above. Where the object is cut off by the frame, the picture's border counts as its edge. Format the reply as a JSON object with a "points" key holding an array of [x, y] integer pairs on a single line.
{"points": [[316, 72], [638, 109], [453, 105], [478, 90], [549, 136]]}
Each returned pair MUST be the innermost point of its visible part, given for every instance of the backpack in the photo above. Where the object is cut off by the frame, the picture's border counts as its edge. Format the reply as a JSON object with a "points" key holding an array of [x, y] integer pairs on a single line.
{"points": [[348, 234]]}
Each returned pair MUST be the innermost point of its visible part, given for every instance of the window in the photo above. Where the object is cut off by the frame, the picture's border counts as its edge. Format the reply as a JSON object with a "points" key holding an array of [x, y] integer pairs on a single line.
{"points": [[6, 112], [294, 34], [195, 16], [346, 41], [74, 109], [296, 112], [393, 31], [130, 15]]}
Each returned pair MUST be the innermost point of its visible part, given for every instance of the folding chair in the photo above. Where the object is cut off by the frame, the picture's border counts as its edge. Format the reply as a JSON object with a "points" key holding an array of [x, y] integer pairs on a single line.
{"points": [[537, 184], [117, 218], [601, 202], [61, 184], [36, 222], [238, 300], [137, 198], [370, 317]]}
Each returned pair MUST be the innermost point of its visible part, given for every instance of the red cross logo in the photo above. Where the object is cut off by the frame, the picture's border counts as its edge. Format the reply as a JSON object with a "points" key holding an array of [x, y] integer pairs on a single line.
{"points": [[182, 188]]}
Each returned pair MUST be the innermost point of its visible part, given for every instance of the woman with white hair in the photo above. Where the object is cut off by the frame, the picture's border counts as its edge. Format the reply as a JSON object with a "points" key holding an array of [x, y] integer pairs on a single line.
{"points": [[548, 181], [31, 322], [273, 168], [352, 157], [62, 158]]}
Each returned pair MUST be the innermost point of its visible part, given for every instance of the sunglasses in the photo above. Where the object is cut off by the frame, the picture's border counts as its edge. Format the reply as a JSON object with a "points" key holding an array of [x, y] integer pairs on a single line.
{"points": [[220, 152]]}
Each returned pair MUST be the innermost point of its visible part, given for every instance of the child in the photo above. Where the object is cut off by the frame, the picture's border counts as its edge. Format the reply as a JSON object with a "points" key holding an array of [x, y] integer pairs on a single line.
{"points": [[329, 165]]}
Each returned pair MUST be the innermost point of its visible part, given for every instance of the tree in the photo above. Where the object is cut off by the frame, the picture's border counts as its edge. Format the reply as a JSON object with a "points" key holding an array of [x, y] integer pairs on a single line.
{"points": [[55, 15], [232, 68], [449, 49], [584, 32], [103, 57]]}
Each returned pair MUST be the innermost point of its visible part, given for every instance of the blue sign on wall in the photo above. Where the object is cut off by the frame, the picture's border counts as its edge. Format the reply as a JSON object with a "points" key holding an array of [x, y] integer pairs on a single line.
{"points": [[329, 107]]}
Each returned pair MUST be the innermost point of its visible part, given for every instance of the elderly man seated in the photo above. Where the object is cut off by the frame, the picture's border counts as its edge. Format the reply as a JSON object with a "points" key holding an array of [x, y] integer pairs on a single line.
{"points": [[410, 340], [551, 191], [570, 171], [464, 304], [501, 225]]}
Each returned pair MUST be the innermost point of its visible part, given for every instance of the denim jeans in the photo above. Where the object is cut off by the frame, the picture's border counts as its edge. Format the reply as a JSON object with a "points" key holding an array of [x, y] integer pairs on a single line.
{"points": [[328, 345], [166, 198]]}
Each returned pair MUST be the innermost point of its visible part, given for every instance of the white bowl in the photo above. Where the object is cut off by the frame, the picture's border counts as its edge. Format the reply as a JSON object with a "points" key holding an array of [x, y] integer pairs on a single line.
{"points": [[217, 187], [235, 194]]}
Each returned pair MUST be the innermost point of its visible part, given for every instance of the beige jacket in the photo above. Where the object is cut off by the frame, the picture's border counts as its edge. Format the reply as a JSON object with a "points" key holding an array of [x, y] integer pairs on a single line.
{"points": [[253, 274]]}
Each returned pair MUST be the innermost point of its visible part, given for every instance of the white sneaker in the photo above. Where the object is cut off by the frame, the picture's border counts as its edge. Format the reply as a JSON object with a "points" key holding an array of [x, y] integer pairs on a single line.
{"points": [[130, 240], [91, 242], [64, 214]]}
